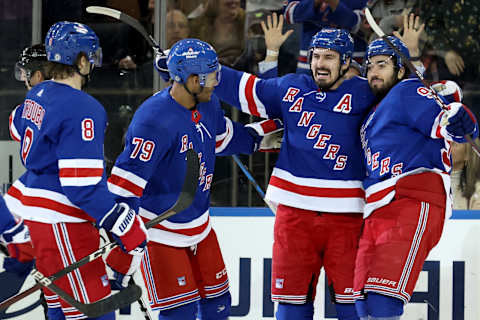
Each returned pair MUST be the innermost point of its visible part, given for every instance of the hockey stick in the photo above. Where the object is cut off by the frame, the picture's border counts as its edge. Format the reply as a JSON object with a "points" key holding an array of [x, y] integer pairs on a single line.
{"points": [[376, 28], [184, 201], [255, 184], [132, 22]]}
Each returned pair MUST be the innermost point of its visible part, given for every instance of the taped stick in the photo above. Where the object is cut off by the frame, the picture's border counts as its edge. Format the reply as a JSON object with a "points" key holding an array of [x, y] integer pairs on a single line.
{"points": [[184, 201]]}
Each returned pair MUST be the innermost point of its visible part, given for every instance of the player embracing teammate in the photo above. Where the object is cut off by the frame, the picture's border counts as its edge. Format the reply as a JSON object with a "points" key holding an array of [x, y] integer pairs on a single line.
{"points": [[318, 178], [406, 140]]}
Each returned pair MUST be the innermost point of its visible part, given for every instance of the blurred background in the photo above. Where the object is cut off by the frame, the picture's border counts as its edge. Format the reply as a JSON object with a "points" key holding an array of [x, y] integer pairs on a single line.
{"points": [[450, 50]]}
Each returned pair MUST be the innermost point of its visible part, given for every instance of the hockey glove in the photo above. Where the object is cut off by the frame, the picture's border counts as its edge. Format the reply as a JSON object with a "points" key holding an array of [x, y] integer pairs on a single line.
{"points": [[18, 242], [126, 228], [268, 135], [449, 90], [123, 266], [20, 250], [460, 121], [160, 64]]}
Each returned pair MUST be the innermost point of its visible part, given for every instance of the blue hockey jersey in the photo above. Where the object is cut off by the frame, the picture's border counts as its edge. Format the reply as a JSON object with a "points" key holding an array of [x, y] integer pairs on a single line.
{"points": [[320, 166], [314, 19], [150, 172], [403, 135], [6, 219], [61, 133]]}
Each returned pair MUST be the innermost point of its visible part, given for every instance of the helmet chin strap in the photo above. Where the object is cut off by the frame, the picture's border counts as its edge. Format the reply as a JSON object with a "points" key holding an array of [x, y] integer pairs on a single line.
{"points": [[194, 95], [85, 77]]}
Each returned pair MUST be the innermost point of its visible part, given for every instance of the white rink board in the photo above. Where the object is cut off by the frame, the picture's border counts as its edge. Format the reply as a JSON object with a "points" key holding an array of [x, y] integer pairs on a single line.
{"points": [[249, 239]]}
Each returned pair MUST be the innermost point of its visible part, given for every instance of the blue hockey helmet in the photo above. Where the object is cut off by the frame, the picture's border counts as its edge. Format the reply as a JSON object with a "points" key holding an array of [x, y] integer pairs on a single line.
{"points": [[192, 56], [380, 47], [65, 40], [335, 39]]}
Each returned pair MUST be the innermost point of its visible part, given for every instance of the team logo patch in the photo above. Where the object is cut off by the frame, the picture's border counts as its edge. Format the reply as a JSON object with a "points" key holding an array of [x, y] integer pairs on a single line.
{"points": [[181, 281], [104, 279], [321, 96], [279, 283]]}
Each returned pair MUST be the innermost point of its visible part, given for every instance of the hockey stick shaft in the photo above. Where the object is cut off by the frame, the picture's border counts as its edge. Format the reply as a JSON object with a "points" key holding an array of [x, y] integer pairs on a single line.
{"points": [[376, 28], [185, 200], [116, 14], [253, 181]]}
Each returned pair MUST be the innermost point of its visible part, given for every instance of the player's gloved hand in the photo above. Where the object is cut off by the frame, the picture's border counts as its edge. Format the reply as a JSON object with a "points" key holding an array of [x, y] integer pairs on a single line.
{"points": [[18, 242], [449, 89], [268, 134], [123, 266], [160, 64], [460, 121], [127, 229], [20, 250]]}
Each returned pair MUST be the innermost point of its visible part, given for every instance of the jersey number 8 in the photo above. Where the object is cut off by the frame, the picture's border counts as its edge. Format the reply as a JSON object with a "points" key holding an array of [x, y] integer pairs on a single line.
{"points": [[88, 132], [145, 146], [27, 143]]}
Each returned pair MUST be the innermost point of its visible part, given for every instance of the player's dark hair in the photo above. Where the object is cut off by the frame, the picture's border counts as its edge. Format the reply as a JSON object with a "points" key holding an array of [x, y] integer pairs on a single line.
{"points": [[396, 68], [61, 71]]}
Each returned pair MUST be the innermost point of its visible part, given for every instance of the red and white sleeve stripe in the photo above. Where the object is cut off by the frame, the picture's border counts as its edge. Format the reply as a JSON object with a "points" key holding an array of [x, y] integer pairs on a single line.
{"points": [[436, 132], [13, 131], [80, 172], [125, 183], [222, 140], [289, 12], [247, 95]]}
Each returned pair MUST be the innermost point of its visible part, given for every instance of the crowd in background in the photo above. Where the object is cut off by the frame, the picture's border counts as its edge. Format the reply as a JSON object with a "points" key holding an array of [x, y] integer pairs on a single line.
{"points": [[450, 50]]}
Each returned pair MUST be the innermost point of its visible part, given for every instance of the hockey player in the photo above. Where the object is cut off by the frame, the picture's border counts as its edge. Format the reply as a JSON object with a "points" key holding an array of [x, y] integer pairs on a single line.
{"points": [[31, 66], [183, 268], [406, 140], [317, 180], [64, 190]]}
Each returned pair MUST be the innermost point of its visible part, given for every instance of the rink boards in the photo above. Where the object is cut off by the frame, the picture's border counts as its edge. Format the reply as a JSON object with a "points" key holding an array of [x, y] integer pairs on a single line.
{"points": [[447, 288]]}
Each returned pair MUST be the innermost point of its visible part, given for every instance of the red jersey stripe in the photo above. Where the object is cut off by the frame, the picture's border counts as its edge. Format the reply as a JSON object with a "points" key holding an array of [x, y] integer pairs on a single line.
{"points": [[317, 191]]}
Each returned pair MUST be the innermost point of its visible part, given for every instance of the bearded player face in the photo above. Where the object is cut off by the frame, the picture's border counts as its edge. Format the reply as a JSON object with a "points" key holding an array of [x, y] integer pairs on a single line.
{"points": [[325, 67], [382, 74]]}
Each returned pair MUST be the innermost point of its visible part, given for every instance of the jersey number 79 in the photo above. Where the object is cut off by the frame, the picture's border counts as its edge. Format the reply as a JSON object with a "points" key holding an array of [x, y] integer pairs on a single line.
{"points": [[144, 147]]}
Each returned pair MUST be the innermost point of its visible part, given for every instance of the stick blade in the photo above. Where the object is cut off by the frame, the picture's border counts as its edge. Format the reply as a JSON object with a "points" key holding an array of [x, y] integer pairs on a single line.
{"points": [[190, 183], [123, 298], [189, 189], [105, 11], [373, 24]]}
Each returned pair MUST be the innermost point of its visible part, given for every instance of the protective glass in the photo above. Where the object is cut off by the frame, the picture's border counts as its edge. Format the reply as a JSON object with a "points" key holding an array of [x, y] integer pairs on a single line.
{"points": [[380, 64], [212, 79], [95, 58], [21, 73]]}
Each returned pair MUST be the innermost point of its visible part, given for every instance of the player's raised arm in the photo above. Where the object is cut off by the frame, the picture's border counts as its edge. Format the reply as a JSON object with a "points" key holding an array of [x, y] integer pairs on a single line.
{"points": [[249, 93]]}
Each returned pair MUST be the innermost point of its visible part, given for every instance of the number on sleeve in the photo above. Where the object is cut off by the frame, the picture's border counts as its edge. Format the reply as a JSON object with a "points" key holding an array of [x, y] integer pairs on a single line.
{"points": [[27, 143], [146, 148], [87, 129]]}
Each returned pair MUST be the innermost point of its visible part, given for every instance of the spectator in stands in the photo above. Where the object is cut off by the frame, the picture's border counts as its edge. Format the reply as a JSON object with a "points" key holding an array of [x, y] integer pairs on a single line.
{"points": [[222, 25], [452, 28], [465, 177], [316, 14], [177, 27], [388, 14], [191, 8]]}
